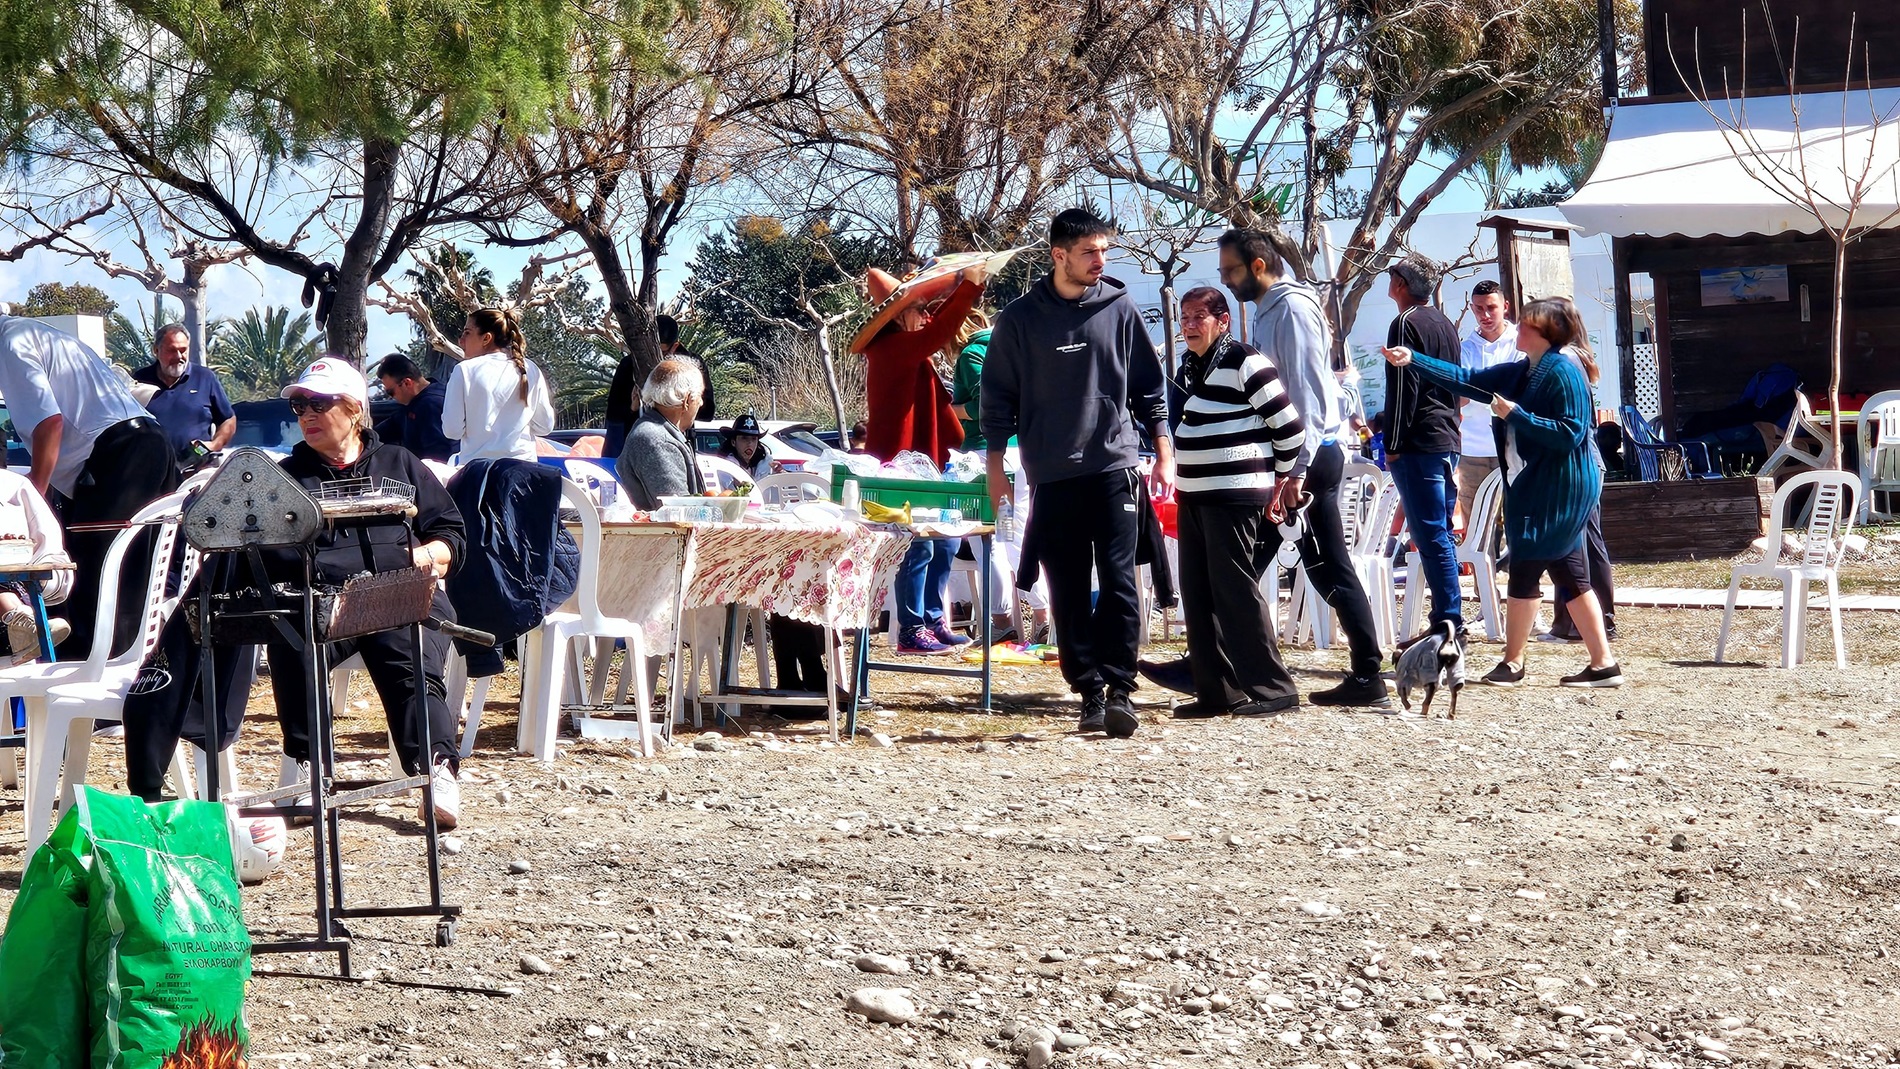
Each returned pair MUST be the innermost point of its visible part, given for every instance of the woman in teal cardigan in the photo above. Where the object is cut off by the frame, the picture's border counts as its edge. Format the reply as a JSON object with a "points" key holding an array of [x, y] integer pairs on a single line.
{"points": [[1551, 477]]}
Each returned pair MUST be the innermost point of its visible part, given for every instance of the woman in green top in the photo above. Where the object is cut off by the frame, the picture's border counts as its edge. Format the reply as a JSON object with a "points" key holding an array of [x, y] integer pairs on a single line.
{"points": [[966, 381]]}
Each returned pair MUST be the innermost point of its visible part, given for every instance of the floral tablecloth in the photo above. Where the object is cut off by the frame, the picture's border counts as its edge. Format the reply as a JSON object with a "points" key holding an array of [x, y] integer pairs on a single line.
{"points": [[829, 575]]}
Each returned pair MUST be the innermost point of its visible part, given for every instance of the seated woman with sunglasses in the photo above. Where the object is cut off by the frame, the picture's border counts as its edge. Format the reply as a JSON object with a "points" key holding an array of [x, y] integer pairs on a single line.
{"points": [[331, 403]]}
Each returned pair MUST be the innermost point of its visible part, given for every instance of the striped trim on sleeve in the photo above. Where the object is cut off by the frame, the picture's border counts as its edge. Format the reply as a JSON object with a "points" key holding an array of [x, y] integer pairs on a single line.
{"points": [[1238, 429]]}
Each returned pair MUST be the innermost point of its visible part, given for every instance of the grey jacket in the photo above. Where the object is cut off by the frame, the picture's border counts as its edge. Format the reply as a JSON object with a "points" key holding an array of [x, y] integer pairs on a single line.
{"points": [[657, 462], [1070, 380], [1290, 329]]}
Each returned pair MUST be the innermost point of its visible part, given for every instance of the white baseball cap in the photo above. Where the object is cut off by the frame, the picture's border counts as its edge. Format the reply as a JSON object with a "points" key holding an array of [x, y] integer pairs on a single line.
{"points": [[330, 377]]}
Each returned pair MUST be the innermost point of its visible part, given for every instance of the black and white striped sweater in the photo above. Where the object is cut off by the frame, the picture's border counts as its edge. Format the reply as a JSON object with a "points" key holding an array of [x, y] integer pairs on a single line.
{"points": [[1238, 430]]}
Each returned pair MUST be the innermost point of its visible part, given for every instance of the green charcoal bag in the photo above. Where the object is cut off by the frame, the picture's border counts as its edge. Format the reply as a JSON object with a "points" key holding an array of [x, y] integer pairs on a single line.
{"points": [[129, 942]]}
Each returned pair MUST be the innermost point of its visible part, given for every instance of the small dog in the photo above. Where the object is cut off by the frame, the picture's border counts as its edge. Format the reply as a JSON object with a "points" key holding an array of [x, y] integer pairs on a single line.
{"points": [[1432, 660]]}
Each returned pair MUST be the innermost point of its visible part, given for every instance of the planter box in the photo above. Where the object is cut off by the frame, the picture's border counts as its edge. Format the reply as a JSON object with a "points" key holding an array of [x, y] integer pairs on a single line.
{"points": [[1690, 519]]}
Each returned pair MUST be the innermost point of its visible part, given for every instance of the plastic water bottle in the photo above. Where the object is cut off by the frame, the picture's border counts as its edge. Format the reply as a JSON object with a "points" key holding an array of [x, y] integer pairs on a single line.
{"points": [[1006, 521]]}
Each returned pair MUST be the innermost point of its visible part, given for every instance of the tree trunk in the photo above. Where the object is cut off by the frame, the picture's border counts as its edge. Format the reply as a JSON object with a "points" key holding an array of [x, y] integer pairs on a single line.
{"points": [[191, 295], [634, 316], [823, 336], [1834, 344], [347, 329]]}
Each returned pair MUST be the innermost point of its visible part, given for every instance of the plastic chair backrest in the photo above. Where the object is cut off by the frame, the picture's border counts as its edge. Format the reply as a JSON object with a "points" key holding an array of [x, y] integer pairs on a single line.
{"points": [[1373, 529], [1640, 430], [161, 518], [1485, 503], [1830, 514], [791, 488], [720, 473], [587, 587]]}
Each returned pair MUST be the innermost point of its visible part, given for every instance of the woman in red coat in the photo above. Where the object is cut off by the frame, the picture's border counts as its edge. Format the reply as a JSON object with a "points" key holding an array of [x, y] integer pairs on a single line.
{"points": [[910, 409]]}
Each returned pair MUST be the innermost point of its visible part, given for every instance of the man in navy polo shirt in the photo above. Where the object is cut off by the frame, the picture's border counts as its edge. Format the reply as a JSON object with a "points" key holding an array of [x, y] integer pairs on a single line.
{"points": [[189, 403]]}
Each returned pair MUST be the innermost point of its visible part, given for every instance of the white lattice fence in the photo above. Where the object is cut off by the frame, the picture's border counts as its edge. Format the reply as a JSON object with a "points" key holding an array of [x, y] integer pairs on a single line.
{"points": [[1648, 393]]}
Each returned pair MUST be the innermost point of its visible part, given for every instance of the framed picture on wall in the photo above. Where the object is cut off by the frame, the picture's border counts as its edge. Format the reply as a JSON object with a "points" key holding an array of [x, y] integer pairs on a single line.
{"points": [[1744, 285]]}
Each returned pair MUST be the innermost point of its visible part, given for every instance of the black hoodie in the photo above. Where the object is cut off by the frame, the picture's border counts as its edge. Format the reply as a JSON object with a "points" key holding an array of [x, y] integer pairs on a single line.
{"points": [[347, 549], [1065, 378]]}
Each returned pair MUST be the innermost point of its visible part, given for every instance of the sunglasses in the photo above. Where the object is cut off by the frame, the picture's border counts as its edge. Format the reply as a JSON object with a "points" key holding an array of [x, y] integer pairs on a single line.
{"points": [[319, 405]]}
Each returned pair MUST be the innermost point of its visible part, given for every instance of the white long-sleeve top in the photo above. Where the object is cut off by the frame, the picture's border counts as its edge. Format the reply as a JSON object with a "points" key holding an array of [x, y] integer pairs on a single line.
{"points": [[485, 411]]}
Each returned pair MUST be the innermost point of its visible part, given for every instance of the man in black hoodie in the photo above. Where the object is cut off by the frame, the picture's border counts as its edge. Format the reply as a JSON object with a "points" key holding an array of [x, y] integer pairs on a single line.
{"points": [[1070, 370], [1422, 434]]}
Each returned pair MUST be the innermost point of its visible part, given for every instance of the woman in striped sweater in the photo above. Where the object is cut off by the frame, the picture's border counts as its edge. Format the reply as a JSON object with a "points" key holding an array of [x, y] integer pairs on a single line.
{"points": [[1237, 432], [1551, 474]]}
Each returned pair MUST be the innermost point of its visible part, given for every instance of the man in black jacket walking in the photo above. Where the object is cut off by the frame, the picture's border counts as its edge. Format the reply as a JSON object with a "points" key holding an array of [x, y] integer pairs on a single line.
{"points": [[1422, 435], [1070, 370]]}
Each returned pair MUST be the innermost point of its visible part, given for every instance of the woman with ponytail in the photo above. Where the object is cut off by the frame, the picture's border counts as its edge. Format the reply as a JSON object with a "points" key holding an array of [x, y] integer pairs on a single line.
{"points": [[498, 400]]}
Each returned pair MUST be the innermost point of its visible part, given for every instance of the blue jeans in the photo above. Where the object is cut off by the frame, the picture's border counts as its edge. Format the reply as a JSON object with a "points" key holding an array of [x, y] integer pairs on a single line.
{"points": [[1428, 492], [920, 582]]}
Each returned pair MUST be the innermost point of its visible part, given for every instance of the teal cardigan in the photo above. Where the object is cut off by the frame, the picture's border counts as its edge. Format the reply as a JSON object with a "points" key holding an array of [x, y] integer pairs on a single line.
{"points": [[1552, 492]]}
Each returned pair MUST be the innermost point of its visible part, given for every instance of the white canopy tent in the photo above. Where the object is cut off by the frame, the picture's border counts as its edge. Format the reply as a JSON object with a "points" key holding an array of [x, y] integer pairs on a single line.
{"points": [[1672, 169]]}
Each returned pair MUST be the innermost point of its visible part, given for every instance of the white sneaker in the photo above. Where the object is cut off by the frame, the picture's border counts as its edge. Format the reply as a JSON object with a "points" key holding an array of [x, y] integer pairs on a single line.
{"points": [[448, 795]]}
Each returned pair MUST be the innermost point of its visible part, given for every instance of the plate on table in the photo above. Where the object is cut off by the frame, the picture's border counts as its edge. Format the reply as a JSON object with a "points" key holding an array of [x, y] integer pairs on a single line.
{"points": [[818, 512]]}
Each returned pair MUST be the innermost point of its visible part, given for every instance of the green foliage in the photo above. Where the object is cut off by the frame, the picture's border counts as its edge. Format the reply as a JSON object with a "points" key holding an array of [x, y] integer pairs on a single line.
{"points": [[59, 299], [754, 271], [294, 74], [728, 374], [260, 354], [1523, 47]]}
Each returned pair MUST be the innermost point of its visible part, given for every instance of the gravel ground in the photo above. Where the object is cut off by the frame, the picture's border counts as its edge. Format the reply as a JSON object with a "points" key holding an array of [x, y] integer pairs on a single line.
{"points": [[1700, 868]]}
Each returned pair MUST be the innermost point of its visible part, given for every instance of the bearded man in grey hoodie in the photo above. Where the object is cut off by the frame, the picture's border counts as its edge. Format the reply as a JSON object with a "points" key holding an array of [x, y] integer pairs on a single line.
{"points": [[1071, 370], [1290, 330]]}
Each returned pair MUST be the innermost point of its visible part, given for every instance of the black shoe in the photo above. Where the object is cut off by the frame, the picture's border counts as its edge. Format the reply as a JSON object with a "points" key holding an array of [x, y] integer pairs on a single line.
{"points": [[1168, 675], [1504, 675], [1094, 713], [1596, 677], [1365, 692], [1199, 710], [1122, 721], [1273, 707]]}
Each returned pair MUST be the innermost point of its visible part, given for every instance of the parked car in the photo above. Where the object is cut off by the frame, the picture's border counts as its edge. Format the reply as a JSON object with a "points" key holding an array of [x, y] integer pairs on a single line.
{"points": [[789, 443], [270, 426]]}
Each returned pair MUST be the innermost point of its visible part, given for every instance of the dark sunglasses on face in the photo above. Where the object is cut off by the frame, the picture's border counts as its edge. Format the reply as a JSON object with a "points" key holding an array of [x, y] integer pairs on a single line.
{"points": [[319, 405]]}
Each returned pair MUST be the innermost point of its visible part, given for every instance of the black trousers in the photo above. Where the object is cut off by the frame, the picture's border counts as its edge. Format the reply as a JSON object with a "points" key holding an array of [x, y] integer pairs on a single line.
{"points": [[386, 656], [1597, 553], [131, 466], [1231, 649], [167, 704], [1329, 563], [1083, 525], [798, 655]]}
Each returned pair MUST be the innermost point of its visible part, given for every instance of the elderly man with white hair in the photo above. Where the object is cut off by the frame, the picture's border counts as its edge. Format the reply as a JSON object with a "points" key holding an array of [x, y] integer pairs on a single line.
{"points": [[658, 460]]}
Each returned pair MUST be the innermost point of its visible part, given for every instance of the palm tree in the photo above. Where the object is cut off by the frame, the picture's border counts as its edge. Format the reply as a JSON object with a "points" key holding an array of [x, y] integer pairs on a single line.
{"points": [[260, 354]]}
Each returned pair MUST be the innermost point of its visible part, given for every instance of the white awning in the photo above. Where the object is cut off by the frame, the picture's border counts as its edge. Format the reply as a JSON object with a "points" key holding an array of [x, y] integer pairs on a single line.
{"points": [[1671, 168]]}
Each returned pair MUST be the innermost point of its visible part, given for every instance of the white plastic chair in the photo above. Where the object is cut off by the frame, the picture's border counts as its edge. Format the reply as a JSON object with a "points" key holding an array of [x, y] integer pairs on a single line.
{"points": [[1308, 616], [791, 488], [544, 650], [1371, 563], [1879, 438], [1801, 425], [64, 699], [720, 473], [1830, 519], [1484, 566]]}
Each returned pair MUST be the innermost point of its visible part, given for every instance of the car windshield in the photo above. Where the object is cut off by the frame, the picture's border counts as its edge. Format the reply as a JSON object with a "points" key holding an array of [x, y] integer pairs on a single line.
{"points": [[802, 440]]}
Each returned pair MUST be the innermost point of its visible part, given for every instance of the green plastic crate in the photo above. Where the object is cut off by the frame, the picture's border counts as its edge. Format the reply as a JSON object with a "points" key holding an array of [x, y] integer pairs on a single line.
{"points": [[972, 498]]}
